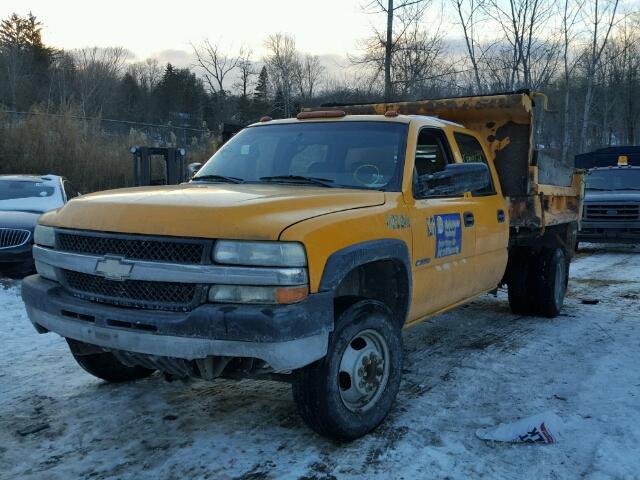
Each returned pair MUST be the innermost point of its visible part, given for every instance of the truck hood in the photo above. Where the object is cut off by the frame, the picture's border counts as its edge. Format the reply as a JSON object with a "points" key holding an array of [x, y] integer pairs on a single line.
{"points": [[240, 211]]}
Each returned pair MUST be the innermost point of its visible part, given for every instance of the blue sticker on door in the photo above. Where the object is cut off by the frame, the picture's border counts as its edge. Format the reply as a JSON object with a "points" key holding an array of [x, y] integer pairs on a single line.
{"points": [[448, 234]]}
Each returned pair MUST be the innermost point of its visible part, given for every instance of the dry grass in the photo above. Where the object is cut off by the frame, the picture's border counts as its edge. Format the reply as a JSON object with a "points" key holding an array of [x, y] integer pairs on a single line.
{"points": [[92, 158]]}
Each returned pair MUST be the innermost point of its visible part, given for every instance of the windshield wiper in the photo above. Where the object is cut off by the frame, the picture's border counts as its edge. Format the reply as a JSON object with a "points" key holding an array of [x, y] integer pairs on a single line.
{"points": [[325, 182], [219, 178]]}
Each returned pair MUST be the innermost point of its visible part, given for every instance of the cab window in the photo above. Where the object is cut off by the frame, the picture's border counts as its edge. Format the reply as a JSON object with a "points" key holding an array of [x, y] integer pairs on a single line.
{"points": [[69, 190], [432, 155], [471, 152]]}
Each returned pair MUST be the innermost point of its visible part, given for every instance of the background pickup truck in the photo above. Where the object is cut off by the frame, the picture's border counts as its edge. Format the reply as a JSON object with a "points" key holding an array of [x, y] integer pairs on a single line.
{"points": [[304, 246]]}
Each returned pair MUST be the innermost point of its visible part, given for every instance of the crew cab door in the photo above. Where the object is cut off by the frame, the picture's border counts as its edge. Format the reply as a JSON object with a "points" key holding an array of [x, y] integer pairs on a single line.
{"points": [[491, 225], [443, 233]]}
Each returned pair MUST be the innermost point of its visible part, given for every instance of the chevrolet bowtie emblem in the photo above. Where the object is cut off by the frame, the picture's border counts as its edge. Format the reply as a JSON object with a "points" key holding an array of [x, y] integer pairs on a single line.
{"points": [[114, 268]]}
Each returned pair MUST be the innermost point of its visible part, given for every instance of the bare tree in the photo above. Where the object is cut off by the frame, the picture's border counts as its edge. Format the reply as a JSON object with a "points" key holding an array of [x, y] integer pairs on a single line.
{"points": [[569, 11], [281, 63], [468, 12], [602, 16], [247, 71], [524, 24], [215, 64], [97, 74], [307, 73], [391, 10], [147, 73], [16, 62], [628, 68], [417, 61]]}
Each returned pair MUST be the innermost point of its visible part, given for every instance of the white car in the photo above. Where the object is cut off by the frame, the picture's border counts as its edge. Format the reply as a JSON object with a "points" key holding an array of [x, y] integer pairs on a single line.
{"points": [[23, 198]]}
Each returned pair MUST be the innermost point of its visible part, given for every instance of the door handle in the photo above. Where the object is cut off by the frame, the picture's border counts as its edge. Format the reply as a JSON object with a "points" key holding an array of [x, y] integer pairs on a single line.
{"points": [[468, 219], [501, 216]]}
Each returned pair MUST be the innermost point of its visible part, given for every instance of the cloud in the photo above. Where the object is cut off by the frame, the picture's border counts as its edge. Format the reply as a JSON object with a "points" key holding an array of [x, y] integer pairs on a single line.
{"points": [[178, 58]]}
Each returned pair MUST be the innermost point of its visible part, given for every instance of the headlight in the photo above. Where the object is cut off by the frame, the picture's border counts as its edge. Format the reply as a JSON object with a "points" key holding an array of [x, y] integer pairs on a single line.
{"points": [[250, 294], [44, 236], [266, 254]]}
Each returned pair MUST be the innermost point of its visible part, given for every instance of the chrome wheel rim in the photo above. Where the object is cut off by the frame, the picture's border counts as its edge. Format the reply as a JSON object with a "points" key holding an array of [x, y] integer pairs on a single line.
{"points": [[364, 371]]}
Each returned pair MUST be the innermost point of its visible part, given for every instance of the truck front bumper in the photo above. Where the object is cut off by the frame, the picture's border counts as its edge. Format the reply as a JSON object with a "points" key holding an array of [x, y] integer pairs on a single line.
{"points": [[285, 336], [609, 232]]}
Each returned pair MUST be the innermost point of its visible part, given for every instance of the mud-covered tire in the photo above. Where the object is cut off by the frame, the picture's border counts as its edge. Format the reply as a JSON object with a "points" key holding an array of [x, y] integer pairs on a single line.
{"points": [[520, 282], [551, 281], [106, 366], [320, 389]]}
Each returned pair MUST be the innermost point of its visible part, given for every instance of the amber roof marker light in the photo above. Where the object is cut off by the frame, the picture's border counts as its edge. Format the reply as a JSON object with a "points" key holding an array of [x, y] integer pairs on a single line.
{"points": [[391, 113], [321, 114], [623, 161], [266, 118]]}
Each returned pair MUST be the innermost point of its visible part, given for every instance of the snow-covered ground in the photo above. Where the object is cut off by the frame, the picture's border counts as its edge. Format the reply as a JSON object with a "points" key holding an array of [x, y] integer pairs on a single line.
{"points": [[474, 367]]}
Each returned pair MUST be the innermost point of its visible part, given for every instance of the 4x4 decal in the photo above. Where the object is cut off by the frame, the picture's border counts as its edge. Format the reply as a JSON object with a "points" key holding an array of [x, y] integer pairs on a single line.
{"points": [[398, 222]]}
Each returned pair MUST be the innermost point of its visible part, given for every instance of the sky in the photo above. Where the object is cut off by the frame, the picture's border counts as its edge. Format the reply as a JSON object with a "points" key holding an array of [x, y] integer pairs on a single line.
{"points": [[164, 29]]}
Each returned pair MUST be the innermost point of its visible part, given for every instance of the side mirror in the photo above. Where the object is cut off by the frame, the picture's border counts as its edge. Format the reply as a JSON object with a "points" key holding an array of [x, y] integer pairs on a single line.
{"points": [[193, 168], [456, 179]]}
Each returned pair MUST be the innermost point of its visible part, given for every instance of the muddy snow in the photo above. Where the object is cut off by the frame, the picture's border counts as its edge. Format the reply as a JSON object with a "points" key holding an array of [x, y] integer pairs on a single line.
{"points": [[475, 367]]}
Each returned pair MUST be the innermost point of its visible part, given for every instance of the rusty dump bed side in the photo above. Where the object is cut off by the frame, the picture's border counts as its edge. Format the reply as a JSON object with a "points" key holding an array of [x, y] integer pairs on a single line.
{"points": [[506, 122]]}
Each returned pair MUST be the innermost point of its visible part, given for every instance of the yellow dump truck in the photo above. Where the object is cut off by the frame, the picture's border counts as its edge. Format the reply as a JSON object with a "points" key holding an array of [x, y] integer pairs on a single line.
{"points": [[302, 248]]}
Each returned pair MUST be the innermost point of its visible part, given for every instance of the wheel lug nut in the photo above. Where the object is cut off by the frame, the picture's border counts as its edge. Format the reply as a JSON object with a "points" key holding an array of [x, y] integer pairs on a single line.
{"points": [[360, 372]]}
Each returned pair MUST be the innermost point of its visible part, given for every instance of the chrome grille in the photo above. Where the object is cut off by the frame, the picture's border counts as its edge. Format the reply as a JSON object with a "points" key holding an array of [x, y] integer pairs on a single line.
{"points": [[612, 211], [133, 293], [131, 247], [13, 237]]}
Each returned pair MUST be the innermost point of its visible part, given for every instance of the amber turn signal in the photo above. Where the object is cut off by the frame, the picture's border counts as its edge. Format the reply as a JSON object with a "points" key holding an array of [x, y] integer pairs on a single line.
{"points": [[291, 294]]}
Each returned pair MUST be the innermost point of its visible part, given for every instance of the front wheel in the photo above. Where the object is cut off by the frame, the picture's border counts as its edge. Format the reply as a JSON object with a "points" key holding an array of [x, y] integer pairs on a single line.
{"points": [[351, 390], [105, 365]]}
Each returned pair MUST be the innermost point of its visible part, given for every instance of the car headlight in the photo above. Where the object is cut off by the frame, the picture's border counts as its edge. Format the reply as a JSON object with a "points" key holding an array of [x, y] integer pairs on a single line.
{"points": [[251, 294], [44, 236], [265, 254]]}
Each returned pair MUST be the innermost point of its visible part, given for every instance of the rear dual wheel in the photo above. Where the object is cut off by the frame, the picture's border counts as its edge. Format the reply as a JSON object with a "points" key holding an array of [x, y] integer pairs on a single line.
{"points": [[351, 390], [537, 282]]}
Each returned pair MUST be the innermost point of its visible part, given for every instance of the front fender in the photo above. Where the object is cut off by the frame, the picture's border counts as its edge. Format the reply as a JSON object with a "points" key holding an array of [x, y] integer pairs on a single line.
{"points": [[343, 261]]}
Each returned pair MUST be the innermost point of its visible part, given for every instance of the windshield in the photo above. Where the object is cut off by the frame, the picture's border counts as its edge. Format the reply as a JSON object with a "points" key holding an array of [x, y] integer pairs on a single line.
{"points": [[333, 154], [613, 179], [29, 195]]}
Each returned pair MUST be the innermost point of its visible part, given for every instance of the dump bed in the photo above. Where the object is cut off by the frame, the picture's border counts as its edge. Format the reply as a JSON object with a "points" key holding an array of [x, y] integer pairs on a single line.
{"points": [[541, 189]]}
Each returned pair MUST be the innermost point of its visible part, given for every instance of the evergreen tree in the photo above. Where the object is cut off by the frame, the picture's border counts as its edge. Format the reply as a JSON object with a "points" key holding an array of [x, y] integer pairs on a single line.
{"points": [[24, 60], [131, 99], [278, 105], [181, 97], [262, 87]]}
